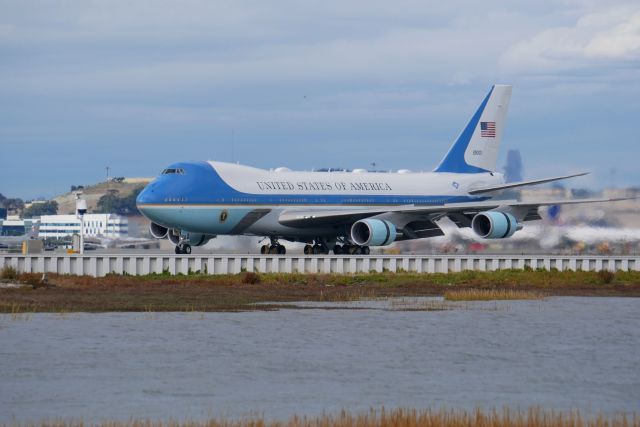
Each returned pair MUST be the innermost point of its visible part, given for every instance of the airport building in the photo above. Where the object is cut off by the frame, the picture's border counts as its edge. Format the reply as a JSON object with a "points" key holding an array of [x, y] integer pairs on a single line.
{"points": [[106, 225], [16, 227]]}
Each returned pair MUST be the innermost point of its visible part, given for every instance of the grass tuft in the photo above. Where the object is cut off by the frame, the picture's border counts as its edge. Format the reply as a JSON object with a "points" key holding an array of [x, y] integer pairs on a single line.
{"points": [[8, 273], [606, 276], [250, 278]]}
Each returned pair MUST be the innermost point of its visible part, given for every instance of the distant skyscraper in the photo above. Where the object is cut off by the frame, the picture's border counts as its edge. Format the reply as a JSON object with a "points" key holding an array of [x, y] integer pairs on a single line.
{"points": [[513, 168]]}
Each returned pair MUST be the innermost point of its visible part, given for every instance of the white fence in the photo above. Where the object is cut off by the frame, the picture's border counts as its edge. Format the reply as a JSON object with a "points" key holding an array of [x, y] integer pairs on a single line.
{"points": [[134, 264]]}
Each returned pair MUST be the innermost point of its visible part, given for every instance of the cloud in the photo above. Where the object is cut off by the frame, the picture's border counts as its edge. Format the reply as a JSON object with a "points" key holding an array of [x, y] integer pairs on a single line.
{"points": [[602, 39], [130, 76]]}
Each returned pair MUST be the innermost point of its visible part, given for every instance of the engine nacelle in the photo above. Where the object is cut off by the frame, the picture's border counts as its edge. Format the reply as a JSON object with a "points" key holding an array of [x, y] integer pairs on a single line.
{"points": [[373, 232], [194, 239], [158, 231], [495, 225]]}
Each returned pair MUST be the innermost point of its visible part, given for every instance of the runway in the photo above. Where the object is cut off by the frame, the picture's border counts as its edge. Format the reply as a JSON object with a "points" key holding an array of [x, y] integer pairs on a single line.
{"points": [[98, 265]]}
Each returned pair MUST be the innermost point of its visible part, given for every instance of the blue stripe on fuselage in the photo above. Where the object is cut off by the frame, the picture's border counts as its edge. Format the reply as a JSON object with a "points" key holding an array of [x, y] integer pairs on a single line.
{"points": [[201, 184]]}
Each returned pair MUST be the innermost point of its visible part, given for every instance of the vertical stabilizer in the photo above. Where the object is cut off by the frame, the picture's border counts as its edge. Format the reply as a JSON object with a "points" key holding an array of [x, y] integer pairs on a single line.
{"points": [[476, 149]]}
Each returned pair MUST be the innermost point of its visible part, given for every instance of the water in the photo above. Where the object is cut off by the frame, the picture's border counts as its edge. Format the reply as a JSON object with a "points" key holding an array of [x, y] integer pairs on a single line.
{"points": [[559, 353]]}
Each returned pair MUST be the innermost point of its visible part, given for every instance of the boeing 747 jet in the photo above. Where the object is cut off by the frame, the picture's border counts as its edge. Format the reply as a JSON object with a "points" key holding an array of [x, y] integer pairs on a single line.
{"points": [[346, 212]]}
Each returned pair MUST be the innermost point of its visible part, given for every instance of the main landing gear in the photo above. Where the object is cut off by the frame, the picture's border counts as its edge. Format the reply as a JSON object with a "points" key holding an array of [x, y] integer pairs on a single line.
{"points": [[316, 249], [347, 249], [274, 248], [183, 248]]}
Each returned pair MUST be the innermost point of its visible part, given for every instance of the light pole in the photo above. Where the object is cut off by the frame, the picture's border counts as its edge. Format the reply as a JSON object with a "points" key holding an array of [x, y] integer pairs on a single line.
{"points": [[81, 209]]}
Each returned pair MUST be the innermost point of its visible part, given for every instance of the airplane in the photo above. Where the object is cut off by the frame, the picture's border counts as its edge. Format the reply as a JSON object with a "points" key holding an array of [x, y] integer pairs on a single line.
{"points": [[7, 242], [346, 212]]}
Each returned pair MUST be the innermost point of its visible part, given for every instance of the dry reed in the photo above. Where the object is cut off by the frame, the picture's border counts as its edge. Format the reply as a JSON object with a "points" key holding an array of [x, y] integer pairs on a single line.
{"points": [[533, 417], [491, 295]]}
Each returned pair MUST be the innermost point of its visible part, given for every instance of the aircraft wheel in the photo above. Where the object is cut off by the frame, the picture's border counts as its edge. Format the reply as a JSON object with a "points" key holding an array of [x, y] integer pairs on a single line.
{"points": [[273, 250], [308, 249], [264, 249], [365, 250], [357, 250], [337, 250], [282, 250], [186, 249], [178, 250]]}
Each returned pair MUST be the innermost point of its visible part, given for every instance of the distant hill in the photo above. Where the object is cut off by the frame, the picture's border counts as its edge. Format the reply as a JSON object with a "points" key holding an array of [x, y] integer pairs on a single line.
{"points": [[92, 193]]}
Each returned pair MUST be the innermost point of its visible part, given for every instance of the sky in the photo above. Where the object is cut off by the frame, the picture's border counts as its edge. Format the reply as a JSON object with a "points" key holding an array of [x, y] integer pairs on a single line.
{"points": [[137, 85]]}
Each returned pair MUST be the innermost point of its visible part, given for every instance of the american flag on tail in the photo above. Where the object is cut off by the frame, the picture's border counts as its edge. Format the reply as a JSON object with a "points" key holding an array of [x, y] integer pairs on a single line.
{"points": [[488, 129]]}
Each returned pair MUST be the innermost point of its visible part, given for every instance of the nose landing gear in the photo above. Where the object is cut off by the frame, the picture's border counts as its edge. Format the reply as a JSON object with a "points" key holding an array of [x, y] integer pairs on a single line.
{"points": [[183, 249]]}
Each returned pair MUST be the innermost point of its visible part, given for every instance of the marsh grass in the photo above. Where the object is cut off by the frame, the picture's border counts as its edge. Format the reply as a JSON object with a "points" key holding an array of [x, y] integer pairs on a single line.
{"points": [[245, 291], [18, 313], [492, 295], [533, 417]]}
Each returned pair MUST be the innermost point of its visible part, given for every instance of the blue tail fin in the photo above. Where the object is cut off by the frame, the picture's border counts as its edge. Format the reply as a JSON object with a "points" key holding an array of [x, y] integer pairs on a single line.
{"points": [[476, 149]]}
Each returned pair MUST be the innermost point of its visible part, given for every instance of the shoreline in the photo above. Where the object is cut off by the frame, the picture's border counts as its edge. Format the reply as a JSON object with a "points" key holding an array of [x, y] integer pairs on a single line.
{"points": [[252, 291]]}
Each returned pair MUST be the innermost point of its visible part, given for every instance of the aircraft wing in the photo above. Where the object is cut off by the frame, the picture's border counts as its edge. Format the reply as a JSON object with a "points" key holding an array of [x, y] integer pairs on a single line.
{"points": [[523, 183], [460, 213]]}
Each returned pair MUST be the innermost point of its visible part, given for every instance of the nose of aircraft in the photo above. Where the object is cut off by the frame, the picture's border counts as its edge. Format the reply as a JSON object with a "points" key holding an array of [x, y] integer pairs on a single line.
{"points": [[148, 195]]}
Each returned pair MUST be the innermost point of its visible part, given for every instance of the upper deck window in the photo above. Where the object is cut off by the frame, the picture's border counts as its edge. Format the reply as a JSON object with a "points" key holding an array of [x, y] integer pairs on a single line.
{"points": [[173, 171]]}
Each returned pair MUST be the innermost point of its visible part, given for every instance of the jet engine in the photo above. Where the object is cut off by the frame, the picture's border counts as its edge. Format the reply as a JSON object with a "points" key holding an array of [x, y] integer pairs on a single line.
{"points": [[194, 239], [158, 231], [373, 232], [197, 239], [495, 225]]}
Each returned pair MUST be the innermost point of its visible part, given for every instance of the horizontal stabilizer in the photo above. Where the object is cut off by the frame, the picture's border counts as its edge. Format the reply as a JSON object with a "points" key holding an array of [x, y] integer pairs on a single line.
{"points": [[523, 183]]}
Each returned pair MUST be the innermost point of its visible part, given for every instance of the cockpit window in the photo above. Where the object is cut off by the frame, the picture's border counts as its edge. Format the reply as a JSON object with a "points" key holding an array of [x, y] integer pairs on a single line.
{"points": [[173, 171]]}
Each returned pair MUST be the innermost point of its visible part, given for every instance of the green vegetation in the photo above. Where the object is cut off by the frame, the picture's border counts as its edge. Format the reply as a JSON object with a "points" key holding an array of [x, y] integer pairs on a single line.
{"points": [[38, 209], [533, 417], [8, 273], [13, 205], [254, 291], [112, 203]]}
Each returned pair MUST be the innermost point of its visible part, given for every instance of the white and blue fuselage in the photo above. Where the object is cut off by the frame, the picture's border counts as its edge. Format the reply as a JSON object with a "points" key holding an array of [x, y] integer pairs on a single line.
{"points": [[216, 198]]}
